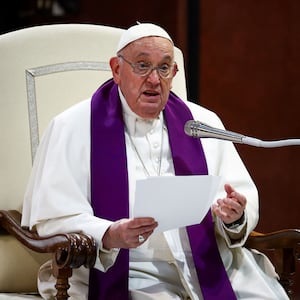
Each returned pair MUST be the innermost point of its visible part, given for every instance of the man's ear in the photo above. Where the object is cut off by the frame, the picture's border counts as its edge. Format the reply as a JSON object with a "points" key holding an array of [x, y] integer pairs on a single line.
{"points": [[115, 68], [175, 70]]}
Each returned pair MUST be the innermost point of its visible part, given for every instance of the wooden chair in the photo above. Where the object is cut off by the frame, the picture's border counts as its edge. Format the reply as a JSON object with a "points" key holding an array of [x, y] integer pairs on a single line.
{"points": [[283, 249], [44, 70], [68, 251]]}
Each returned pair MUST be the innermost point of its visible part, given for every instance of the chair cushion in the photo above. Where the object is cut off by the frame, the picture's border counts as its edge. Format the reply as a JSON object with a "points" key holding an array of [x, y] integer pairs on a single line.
{"points": [[19, 266]]}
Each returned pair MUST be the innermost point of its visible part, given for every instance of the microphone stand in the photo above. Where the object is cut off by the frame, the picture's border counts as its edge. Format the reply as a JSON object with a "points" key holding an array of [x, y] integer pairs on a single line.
{"points": [[199, 129]]}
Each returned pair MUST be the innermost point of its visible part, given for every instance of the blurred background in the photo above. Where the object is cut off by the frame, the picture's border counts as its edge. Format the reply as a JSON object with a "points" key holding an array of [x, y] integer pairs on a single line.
{"points": [[242, 60]]}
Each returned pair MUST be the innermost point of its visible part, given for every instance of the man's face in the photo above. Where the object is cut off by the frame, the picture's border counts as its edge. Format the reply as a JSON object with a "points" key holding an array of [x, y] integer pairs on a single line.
{"points": [[146, 95]]}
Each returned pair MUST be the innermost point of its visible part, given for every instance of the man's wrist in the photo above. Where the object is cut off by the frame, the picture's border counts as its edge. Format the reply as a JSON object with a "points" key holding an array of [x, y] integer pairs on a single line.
{"points": [[236, 223]]}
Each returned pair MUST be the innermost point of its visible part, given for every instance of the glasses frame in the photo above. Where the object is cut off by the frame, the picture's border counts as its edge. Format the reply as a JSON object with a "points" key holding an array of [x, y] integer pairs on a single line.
{"points": [[151, 69]]}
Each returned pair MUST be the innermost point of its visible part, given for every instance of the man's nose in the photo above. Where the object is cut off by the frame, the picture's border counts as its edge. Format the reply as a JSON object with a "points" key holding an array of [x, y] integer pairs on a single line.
{"points": [[154, 76]]}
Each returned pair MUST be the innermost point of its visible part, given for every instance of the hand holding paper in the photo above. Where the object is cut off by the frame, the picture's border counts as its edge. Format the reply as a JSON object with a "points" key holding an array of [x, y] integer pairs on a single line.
{"points": [[175, 201]]}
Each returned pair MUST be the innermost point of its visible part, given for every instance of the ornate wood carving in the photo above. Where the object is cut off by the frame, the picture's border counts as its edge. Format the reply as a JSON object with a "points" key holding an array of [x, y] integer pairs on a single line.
{"points": [[69, 251]]}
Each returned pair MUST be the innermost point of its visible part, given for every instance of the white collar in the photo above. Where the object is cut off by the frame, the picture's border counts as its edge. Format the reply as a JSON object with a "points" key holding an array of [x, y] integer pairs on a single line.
{"points": [[132, 120]]}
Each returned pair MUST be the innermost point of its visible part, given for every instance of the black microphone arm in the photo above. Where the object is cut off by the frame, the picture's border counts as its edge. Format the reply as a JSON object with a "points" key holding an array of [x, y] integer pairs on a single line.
{"points": [[199, 129]]}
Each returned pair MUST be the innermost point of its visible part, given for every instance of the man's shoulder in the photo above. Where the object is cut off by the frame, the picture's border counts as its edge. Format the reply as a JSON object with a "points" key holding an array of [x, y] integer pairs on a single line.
{"points": [[76, 116], [79, 108], [203, 114]]}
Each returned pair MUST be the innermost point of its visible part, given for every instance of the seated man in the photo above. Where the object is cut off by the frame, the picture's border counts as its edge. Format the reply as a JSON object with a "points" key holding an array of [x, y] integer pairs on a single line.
{"points": [[84, 175]]}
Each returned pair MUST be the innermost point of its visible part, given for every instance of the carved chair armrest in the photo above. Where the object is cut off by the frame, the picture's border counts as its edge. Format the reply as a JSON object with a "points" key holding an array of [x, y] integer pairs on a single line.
{"points": [[283, 248], [69, 251]]}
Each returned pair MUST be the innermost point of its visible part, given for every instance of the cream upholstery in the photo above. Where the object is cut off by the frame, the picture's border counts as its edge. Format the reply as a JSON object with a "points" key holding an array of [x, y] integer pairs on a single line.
{"points": [[44, 70]]}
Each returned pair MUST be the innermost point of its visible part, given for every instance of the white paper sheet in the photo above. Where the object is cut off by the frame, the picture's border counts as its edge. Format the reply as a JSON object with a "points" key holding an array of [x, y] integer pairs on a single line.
{"points": [[175, 201]]}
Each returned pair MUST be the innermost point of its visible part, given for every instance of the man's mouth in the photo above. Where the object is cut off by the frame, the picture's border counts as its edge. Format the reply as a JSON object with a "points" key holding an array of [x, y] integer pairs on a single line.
{"points": [[151, 93]]}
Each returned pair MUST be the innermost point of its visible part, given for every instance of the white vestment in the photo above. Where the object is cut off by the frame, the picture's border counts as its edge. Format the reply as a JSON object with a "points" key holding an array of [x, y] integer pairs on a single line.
{"points": [[58, 200]]}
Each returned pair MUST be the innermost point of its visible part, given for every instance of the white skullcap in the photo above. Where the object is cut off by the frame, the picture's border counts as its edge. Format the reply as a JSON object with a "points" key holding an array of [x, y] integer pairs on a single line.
{"points": [[139, 31]]}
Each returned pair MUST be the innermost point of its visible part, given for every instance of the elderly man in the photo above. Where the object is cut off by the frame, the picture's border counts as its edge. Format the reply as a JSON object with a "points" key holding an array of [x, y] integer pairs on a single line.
{"points": [[84, 177]]}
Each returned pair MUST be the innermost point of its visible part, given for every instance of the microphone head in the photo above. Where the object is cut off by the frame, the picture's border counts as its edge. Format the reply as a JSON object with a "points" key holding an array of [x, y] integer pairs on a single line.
{"points": [[187, 128], [198, 129]]}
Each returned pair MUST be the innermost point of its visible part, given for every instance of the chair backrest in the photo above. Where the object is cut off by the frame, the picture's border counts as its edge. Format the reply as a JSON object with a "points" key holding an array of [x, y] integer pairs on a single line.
{"points": [[44, 70]]}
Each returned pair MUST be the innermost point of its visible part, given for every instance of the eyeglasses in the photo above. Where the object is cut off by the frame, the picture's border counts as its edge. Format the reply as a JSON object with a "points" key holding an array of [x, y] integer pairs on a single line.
{"points": [[144, 69]]}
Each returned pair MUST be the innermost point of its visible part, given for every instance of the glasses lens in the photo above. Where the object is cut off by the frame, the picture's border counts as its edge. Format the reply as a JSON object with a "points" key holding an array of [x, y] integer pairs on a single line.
{"points": [[145, 69], [164, 70], [142, 68]]}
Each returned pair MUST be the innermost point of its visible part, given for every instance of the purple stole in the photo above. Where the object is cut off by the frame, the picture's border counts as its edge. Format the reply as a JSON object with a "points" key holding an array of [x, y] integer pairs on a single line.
{"points": [[110, 197]]}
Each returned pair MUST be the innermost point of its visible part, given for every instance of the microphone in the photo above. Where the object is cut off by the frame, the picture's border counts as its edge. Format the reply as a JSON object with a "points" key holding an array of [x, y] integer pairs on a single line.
{"points": [[199, 129]]}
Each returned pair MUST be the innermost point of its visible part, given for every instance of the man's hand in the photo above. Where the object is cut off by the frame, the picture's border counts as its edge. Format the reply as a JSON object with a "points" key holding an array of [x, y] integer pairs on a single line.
{"points": [[230, 208], [125, 233]]}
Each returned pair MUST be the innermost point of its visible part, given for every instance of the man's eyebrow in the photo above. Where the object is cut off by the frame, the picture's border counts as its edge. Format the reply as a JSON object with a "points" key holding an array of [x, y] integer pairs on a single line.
{"points": [[146, 54]]}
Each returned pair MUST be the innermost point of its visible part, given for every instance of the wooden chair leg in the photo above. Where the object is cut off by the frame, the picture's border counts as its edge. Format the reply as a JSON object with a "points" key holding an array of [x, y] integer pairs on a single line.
{"points": [[62, 282], [288, 270], [81, 251]]}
